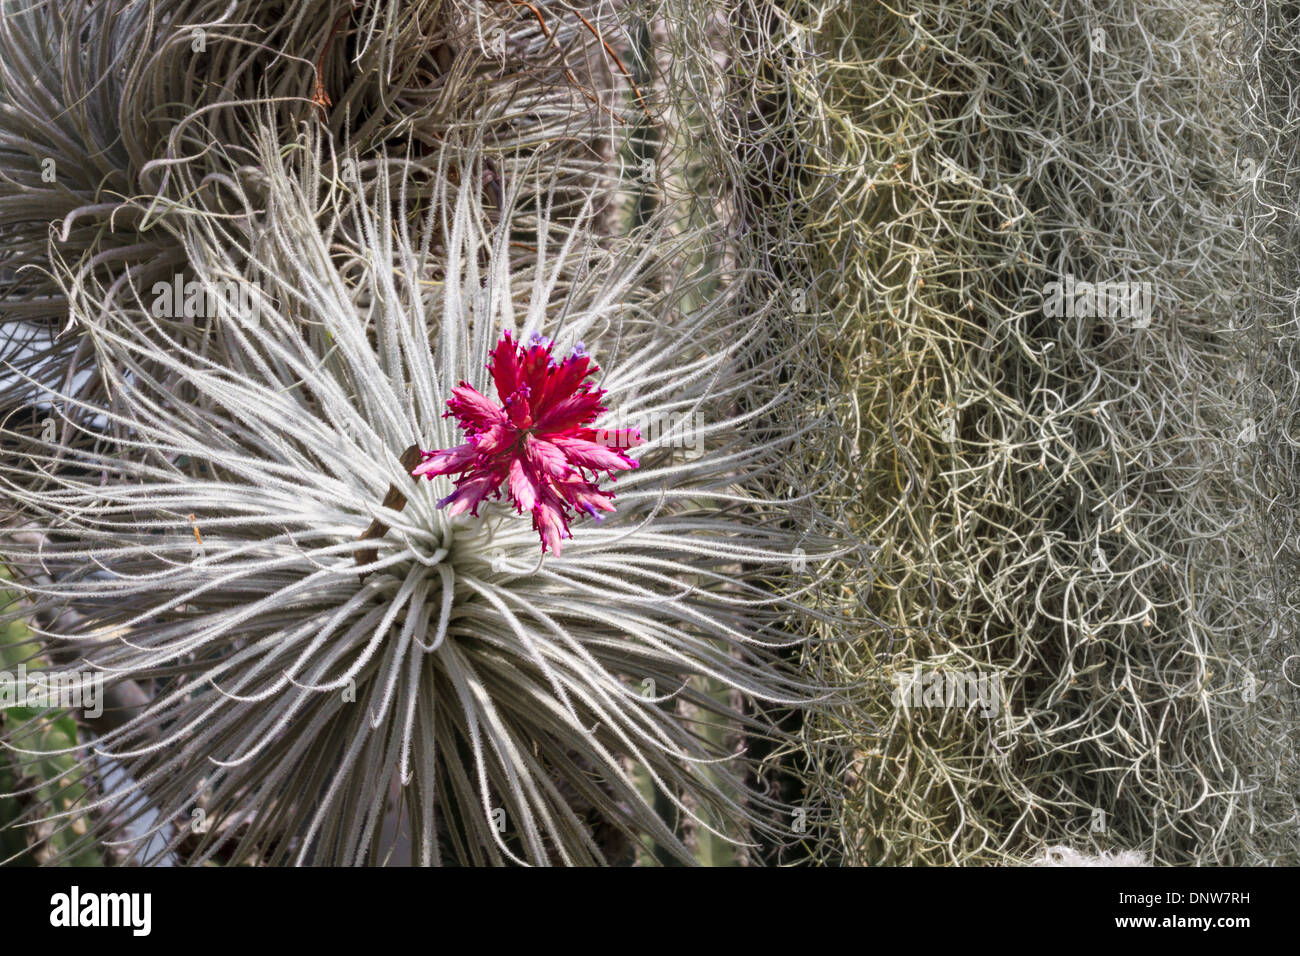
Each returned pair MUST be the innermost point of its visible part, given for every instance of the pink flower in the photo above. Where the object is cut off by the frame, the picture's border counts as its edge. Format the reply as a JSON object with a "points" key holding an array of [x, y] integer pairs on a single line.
{"points": [[535, 441]]}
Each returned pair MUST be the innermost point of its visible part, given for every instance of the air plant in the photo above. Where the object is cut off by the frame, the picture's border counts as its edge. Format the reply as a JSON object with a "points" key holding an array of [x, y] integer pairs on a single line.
{"points": [[513, 699]]}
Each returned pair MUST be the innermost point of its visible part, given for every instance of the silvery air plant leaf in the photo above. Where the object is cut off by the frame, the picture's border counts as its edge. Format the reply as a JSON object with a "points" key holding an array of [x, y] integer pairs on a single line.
{"points": [[308, 647]]}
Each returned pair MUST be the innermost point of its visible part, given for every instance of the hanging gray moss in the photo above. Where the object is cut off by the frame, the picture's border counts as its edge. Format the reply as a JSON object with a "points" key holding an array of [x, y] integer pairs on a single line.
{"points": [[1060, 492]]}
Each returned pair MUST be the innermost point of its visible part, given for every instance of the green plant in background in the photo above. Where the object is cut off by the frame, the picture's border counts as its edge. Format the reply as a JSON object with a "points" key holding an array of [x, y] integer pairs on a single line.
{"points": [[51, 777]]}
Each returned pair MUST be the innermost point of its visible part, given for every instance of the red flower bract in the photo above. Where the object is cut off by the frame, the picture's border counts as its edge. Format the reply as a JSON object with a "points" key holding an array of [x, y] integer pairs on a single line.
{"points": [[535, 439]]}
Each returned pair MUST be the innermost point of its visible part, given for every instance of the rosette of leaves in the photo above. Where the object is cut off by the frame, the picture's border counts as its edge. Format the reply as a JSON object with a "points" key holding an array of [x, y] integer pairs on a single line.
{"points": [[301, 667]]}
